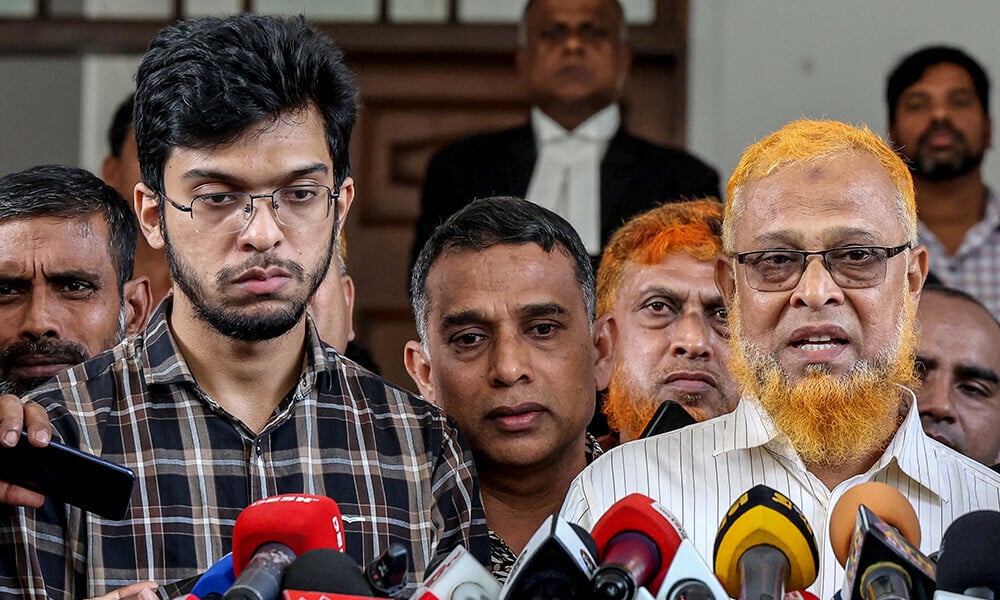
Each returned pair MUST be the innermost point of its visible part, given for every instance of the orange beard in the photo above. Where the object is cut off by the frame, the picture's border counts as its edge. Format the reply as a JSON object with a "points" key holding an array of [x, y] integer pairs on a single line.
{"points": [[629, 408], [830, 420]]}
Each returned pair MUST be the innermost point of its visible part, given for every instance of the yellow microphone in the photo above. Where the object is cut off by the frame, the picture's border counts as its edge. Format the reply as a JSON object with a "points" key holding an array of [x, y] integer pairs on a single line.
{"points": [[764, 546]]}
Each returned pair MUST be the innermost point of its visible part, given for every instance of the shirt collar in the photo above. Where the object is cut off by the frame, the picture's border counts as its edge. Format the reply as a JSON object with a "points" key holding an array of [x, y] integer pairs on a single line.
{"points": [[600, 127], [749, 426]]}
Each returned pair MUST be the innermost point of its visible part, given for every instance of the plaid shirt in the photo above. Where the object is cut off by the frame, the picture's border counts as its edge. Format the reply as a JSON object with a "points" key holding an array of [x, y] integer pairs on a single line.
{"points": [[975, 267], [395, 464]]}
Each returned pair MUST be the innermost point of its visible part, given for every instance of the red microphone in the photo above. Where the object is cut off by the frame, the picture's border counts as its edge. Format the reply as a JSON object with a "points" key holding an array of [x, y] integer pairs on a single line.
{"points": [[637, 539], [271, 532]]}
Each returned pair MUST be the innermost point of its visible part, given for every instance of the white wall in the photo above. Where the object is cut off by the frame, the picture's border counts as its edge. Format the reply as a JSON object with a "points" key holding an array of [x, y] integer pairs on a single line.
{"points": [[755, 65]]}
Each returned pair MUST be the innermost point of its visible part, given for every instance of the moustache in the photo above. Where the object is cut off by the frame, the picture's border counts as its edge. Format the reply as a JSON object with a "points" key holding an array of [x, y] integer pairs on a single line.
{"points": [[939, 127], [63, 351]]}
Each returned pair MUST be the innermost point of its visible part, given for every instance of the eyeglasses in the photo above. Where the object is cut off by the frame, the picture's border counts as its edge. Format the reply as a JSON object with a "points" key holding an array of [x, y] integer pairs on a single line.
{"points": [[851, 266], [295, 207]]}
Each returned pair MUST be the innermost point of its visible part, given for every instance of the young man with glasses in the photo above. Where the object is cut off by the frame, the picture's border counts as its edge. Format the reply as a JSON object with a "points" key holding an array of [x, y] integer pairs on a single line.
{"points": [[822, 277], [229, 396]]}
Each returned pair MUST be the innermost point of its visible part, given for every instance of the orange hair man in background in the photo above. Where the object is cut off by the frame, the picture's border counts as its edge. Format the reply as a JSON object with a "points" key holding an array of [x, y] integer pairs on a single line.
{"points": [[668, 318]]}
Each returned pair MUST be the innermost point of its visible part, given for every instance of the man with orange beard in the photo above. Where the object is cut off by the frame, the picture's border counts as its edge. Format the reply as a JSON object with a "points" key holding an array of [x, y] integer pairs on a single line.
{"points": [[822, 275], [667, 318]]}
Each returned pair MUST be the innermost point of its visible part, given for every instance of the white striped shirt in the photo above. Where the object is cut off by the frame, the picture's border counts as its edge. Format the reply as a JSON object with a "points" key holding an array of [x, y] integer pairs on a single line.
{"points": [[699, 471]]}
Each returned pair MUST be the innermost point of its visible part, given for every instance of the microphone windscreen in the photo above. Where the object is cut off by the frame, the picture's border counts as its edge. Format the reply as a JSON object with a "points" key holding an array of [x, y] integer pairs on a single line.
{"points": [[885, 501], [302, 522], [968, 556], [326, 570], [763, 516], [641, 514], [218, 578]]}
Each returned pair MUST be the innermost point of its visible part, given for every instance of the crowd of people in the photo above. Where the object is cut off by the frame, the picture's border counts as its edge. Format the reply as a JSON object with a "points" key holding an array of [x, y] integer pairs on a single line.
{"points": [[833, 322]]}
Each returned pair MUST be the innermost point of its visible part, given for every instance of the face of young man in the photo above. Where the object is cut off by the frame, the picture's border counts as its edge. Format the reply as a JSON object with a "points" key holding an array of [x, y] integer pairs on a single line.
{"points": [[941, 127], [671, 333], [510, 353], [958, 359], [573, 53], [59, 300], [825, 359], [253, 284]]}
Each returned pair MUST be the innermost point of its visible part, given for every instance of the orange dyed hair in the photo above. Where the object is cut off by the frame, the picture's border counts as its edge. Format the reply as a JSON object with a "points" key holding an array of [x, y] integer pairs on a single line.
{"points": [[807, 141], [692, 227]]}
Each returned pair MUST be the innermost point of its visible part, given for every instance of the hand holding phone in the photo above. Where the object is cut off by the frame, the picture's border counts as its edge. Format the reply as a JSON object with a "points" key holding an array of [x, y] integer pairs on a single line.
{"points": [[69, 475]]}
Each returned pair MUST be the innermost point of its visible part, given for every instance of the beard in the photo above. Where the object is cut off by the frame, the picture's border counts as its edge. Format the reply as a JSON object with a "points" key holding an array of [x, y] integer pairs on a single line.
{"points": [[629, 408], [231, 321], [830, 420], [933, 167]]}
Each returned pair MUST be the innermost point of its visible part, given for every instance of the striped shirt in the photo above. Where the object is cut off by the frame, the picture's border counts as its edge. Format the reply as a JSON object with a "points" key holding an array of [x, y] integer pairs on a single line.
{"points": [[699, 471], [395, 465], [975, 267]]}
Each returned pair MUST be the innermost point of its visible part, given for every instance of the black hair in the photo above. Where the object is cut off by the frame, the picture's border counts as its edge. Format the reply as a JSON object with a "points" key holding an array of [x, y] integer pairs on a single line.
{"points": [[951, 292], [912, 67], [489, 222], [207, 81], [121, 123], [58, 191]]}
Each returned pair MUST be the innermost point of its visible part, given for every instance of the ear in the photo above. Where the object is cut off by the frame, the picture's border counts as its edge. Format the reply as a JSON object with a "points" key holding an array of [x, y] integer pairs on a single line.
{"points": [[521, 62], [347, 285], [604, 355], [146, 204], [138, 304], [418, 365], [109, 170], [625, 66], [725, 278], [917, 269], [344, 202]]}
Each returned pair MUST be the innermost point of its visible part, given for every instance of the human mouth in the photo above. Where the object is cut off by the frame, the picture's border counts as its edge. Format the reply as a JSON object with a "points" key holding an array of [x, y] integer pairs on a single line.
{"points": [[690, 381], [34, 366], [819, 344], [262, 281], [518, 418]]}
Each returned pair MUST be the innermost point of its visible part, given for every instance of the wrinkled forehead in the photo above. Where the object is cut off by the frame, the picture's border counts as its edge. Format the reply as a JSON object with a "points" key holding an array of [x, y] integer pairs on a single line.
{"points": [[850, 193]]}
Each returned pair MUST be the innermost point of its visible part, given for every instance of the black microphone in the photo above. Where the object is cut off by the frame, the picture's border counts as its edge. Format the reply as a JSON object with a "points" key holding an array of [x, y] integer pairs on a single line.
{"points": [[388, 573], [967, 564], [329, 571], [557, 562]]}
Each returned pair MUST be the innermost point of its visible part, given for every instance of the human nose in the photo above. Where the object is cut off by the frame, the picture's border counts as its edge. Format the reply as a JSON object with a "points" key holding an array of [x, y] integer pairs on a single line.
{"points": [[510, 363], [934, 400], [691, 338], [262, 230], [41, 319], [816, 286]]}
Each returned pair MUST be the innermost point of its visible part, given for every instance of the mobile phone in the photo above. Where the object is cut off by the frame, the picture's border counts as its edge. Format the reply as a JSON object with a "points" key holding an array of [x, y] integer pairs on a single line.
{"points": [[69, 475], [668, 417]]}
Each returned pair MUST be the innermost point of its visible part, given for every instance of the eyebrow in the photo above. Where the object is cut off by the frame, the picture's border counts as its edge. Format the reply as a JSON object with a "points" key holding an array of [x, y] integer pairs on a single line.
{"points": [[233, 179], [850, 235], [976, 372], [533, 310]]}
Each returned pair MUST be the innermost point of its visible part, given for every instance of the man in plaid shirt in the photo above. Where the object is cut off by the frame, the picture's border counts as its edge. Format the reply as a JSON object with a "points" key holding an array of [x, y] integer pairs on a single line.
{"points": [[228, 396]]}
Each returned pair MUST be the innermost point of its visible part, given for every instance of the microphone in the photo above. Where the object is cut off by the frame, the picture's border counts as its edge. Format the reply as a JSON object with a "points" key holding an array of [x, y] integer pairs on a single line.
{"points": [[328, 572], [216, 580], [459, 577], [689, 578], [557, 562], [764, 546], [967, 565], [271, 532], [869, 528], [636, 539]]}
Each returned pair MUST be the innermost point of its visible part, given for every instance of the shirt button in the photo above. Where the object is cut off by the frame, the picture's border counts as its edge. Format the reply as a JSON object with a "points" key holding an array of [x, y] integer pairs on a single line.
{"points": [[260, 449]]}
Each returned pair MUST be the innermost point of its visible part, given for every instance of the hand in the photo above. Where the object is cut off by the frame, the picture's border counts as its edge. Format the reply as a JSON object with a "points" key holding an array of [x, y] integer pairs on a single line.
{"points": [[14, 416], [144, 590]]}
